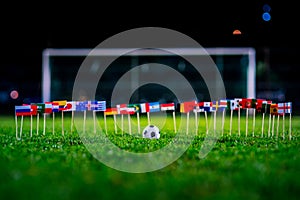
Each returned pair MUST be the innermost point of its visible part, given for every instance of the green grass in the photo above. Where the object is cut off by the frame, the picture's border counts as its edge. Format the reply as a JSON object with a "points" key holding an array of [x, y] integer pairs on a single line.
{"points": [[238, 167]]}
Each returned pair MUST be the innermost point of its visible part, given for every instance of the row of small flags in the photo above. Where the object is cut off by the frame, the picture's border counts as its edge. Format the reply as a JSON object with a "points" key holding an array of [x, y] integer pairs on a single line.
{"points": [[257, 105]]}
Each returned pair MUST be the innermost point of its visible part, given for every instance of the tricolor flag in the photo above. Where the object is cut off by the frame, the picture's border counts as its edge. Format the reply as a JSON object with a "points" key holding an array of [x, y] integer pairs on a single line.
{"points": [[61, 104], [288, 107], [98, 105], [124, 109], [266, 105], [167, 106], [25, 110], [111, 111], [55, 107], [186, 107], [154, 107]]}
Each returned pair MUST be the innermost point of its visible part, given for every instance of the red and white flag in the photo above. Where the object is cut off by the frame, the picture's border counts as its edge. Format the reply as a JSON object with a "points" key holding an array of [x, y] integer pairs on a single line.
{"points": [[167, 106]]}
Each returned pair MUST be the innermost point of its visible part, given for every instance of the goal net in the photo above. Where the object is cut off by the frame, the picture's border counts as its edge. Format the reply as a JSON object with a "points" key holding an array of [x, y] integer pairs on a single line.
{"points": [[237, 67]]}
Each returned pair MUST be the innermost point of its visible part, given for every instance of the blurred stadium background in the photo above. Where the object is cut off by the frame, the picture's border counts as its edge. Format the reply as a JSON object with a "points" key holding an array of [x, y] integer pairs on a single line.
{"points": [[31, 31]]}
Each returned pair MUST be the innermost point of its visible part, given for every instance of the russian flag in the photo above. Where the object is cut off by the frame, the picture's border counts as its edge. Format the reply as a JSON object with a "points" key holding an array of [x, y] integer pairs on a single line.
{"points": [[25, 110]]}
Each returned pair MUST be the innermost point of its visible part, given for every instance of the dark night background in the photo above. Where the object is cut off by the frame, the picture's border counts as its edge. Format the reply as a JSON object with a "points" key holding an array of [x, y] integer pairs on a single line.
{"points": [[28, 29]]}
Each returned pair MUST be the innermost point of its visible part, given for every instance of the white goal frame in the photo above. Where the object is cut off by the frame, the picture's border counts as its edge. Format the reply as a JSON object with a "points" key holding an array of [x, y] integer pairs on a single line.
{"points": [[47, 53]]}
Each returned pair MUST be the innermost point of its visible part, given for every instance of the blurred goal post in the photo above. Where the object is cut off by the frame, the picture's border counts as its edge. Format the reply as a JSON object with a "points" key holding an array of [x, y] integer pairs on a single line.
{"points": [[48, 54]]}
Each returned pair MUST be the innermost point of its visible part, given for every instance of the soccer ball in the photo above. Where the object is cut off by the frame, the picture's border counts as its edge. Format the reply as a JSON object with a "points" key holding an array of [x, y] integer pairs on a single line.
{"points": [[151, 132]]}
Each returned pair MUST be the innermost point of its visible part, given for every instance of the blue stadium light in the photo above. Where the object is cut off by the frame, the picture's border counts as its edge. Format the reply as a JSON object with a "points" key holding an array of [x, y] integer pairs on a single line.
{"points": [[266, 16]]}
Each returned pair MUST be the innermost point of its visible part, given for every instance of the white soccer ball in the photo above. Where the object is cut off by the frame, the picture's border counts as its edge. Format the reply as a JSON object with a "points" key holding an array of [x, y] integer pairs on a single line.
{"points": [[151, 132]]}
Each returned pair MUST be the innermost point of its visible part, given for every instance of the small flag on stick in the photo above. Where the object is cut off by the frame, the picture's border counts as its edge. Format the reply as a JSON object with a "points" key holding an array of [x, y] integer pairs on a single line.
{"points": [[97, 106], [62, 106], [288, 110], [109, 111], [55, 108], [169, 107]]}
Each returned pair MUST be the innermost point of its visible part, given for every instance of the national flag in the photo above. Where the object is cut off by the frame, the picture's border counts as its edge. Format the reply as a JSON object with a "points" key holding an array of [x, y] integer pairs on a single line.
{"points": [[55, 107], [25, 110], [133, 108], [186, 107], [111, 111], [61, 104], [253, 103], [288, 107], [233, 104], [40, 107], [222, 105], [154, 107], [238, 103], [228, 103], [144, 107], [199, 107], [122, 109], [126, 109], [98, 105], [207, 106], [88, 105], [266, 105], [274, 109], [70, 106], [214, 107], [245, 103], [48, 107], [167, 106], [81, 106], [281, 108], [259, 103]]}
